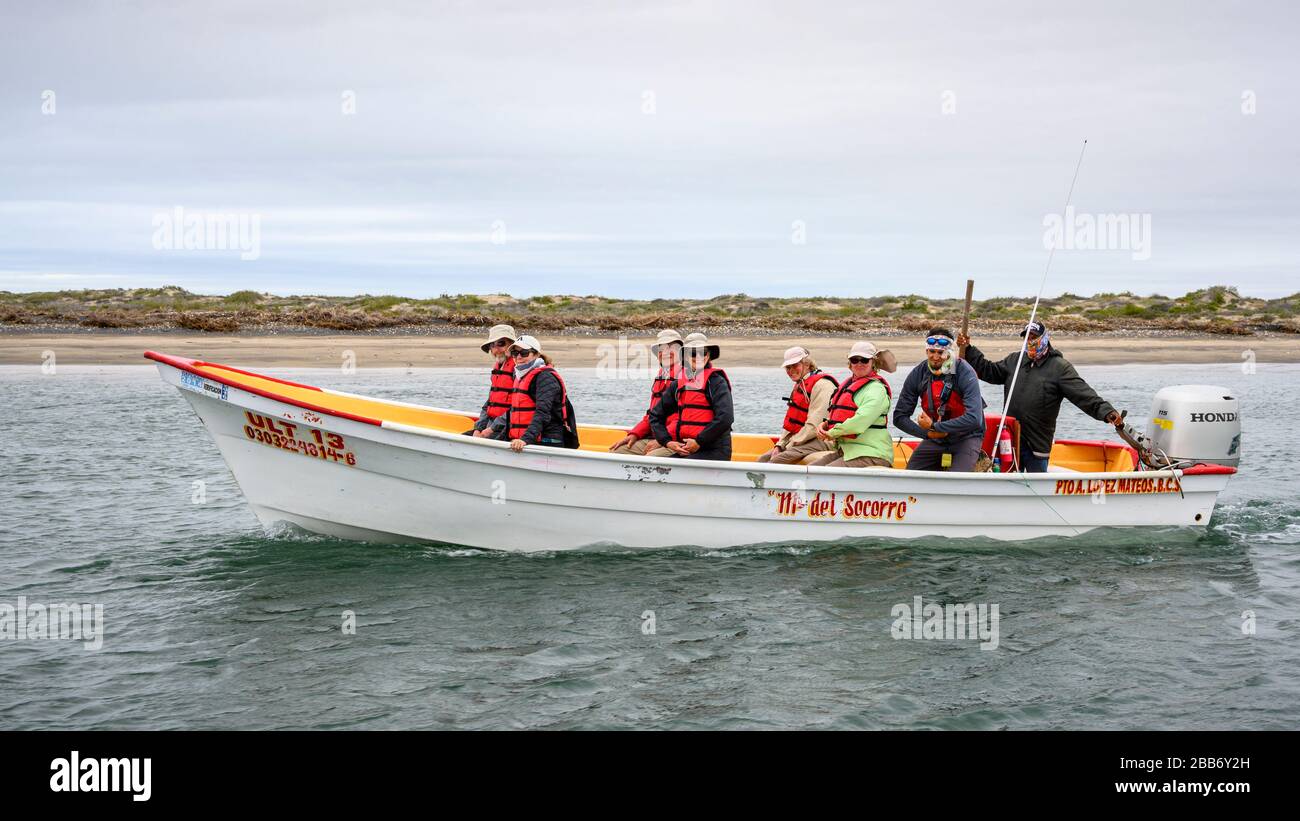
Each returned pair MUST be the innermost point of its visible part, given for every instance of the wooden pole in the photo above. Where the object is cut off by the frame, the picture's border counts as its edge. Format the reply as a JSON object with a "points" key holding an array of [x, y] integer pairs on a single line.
{"points": [[965, 317]]}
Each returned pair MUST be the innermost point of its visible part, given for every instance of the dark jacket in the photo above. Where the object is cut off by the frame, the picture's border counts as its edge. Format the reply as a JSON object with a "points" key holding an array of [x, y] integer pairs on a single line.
{"points": [[970, 423], [1039, 390], [715, 439], [548, 420]]}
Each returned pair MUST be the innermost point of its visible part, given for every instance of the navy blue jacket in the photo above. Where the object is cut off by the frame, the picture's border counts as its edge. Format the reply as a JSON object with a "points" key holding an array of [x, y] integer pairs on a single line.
{"points": [[970, 423]]}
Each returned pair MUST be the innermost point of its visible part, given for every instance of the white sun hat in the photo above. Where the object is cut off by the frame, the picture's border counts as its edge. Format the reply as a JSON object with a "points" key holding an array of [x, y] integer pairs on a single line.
{"points": [[795, 355], [499, 332], [666, 337], [885, 360], [529, 342], [699, 340]]}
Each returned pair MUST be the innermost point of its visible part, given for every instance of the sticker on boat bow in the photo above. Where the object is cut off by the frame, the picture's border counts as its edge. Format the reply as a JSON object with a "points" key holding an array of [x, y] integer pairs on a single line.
{"points": [[198, 384], [839, 506], [299, 439]]}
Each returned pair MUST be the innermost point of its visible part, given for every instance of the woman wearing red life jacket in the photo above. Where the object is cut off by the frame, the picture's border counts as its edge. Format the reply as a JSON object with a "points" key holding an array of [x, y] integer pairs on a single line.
{"points": [[806, 408], [498, 343], [857, 421], [701, 401], [540, 412], [668, 347]]}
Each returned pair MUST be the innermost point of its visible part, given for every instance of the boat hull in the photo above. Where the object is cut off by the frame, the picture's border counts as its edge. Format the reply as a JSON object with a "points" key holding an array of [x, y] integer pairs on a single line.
{"points": [[380, 481]]}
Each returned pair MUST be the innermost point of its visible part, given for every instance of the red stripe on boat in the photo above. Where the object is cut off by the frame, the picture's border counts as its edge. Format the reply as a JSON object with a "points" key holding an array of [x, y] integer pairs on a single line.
{"points": [[193, 365], [1205, 470]]}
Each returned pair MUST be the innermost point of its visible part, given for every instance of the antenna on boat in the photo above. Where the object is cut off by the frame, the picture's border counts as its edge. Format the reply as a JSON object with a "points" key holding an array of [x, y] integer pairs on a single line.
{"points": [[1024, 338]]}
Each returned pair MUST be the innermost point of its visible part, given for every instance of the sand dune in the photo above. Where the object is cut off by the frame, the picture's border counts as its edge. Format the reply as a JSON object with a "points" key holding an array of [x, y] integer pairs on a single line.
{"points": [[443, 351]]}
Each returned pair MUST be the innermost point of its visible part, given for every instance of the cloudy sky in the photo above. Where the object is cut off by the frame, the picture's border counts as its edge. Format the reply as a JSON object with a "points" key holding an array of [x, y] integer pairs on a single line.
{"points": [[666, 149]]}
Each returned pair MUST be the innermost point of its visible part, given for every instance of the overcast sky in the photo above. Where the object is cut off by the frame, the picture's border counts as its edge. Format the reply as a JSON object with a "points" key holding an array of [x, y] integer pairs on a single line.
{"points": [[649, 150]]}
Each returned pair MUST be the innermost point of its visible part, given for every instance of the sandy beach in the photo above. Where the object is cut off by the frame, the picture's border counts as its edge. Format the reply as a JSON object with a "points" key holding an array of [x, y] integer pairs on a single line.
{"points": [[445, 351]]}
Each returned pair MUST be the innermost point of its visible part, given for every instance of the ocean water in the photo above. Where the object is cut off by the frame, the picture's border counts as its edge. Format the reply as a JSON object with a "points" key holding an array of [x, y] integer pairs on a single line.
{"points": [[211, 623]]}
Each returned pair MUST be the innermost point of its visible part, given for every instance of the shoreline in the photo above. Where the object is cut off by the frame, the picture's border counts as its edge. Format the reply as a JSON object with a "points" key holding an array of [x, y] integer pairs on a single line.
{"points": [[327, 350]]}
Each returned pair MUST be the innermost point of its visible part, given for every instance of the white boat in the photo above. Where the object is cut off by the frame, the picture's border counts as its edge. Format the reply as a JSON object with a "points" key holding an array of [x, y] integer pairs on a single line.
{"points": [[361, 468]]}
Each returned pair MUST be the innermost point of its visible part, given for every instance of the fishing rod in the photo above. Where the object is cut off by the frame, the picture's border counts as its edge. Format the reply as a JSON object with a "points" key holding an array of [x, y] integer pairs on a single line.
{"points": [[1024, 337]]}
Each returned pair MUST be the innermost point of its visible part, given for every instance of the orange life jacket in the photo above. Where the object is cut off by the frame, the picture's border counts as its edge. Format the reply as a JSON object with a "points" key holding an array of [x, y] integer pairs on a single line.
{"points": [[522, 404], [796, 416], [843, 405], [695, 409], [503, 381], [942, 401]]}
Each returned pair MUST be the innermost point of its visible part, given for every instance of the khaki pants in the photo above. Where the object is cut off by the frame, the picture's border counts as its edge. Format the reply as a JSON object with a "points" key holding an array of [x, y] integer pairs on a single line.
{"points": [[835, 460], [639, 447], [798, 454]]}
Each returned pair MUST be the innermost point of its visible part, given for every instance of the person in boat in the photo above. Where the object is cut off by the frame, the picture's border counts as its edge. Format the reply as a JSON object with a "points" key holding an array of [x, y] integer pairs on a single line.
{"points": [[540, 411], [806, 409], [700, 401], [856, 427], [951, 424], [668, 347], [498, 343], [1046, 377]]}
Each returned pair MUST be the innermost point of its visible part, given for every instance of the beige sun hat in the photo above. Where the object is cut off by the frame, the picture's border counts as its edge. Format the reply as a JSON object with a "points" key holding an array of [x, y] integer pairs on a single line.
{"points": [[885, 360], [699, 340], [795, 355], [666, 337], [499, 332]]}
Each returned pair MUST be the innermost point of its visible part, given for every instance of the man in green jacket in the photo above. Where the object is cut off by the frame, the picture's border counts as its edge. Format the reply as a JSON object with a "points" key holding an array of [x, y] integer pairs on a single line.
{"points": [[1046, 377], [857, 423]]}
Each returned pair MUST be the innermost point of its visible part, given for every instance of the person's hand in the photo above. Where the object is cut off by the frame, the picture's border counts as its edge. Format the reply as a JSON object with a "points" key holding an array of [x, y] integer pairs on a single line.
{"points": [[626, 441], [936, 434], [823, 433], [924, 421], [963, 339], [1115, 419], [690, 446], [678, 448], [517, 445], [481, 433]]}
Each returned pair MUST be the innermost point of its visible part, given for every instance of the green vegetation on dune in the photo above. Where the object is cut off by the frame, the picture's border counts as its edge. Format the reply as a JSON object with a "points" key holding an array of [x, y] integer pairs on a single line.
{"points": [[1220, 309]]}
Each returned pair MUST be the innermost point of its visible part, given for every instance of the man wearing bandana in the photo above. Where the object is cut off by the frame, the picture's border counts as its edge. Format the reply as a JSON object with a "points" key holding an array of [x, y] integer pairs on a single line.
{"points": [[1046, 377], [951, 423]]}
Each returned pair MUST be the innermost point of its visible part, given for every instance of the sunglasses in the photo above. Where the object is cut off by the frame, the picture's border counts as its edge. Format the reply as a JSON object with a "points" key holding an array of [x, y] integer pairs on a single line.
{"points": [[500, 343], [515, 352], [697, 353], [857, 360], [940, 342]]}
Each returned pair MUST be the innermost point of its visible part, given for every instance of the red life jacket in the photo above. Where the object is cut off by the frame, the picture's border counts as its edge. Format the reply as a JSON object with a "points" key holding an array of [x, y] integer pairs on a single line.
{"points": [[796, 416], [843, 405], [503, 381], [522, 404], [695, 410], [657, 389], [942, 401]]}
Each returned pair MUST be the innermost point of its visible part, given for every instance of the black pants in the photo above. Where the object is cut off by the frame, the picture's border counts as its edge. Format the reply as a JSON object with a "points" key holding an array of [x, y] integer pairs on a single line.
{"points": [[720, 451]]}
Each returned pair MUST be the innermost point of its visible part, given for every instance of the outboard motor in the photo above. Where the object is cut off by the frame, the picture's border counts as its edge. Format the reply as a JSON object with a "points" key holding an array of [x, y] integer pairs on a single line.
{"points": [[1195, 423]]}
